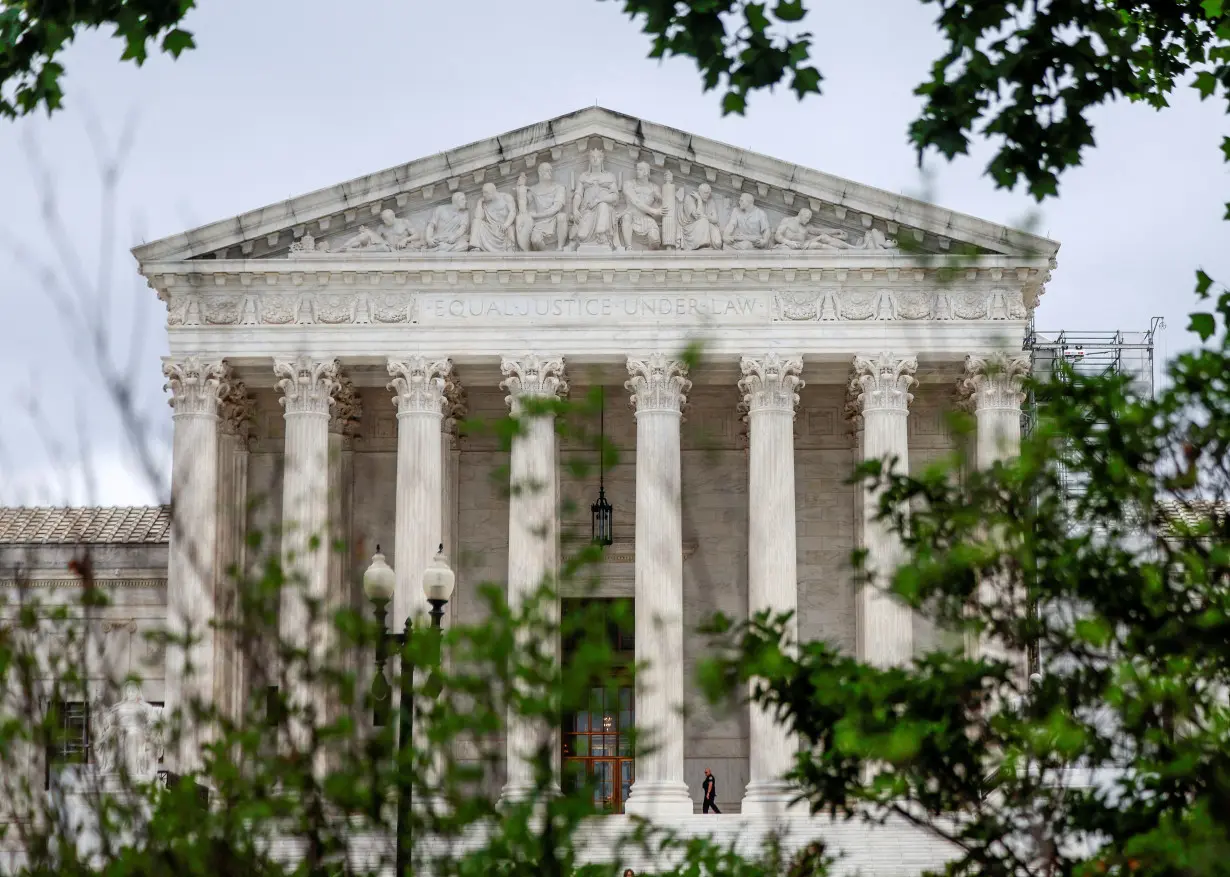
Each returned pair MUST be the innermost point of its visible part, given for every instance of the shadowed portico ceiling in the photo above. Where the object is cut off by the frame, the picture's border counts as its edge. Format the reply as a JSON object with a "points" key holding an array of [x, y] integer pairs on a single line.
{"points": [[865, 218]]}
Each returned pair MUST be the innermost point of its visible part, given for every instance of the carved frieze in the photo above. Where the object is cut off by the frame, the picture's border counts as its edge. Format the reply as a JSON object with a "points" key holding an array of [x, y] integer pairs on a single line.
{"points": [[593, 200]]}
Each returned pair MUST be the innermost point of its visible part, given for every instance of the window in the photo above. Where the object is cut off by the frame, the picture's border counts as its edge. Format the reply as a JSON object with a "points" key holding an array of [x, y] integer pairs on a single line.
{"points": [[70, 744]]}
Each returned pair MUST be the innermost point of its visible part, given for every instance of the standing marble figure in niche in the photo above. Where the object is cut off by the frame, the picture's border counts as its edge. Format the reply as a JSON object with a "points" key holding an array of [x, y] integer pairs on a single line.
{"points": [[593, 205], [639, 222], [748, 226], [494, 215], [448, 230], [542, 221], [698, 220]]}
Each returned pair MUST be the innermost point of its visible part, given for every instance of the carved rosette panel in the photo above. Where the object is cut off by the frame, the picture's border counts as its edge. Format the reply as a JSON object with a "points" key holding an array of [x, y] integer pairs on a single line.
{"points": [[993, 381], [881, 383], [770, 383], [196, 387], [658, 383], [347, 408], [421, 385], [532, 375], [307, 384], [237, 411]]}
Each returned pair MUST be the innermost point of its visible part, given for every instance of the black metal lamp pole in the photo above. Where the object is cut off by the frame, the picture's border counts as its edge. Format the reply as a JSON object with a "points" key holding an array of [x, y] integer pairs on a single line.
{"points": [[378, 583]]}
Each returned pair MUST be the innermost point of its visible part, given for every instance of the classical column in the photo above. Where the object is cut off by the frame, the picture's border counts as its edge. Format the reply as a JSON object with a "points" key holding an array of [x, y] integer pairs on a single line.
{"points": [[880, 393], [450, 449], [196, 389], [991, 387], [344, 419], [420, 385], [230, 682], [770, 388], [307, 386], [530, 381], [659, 388]]}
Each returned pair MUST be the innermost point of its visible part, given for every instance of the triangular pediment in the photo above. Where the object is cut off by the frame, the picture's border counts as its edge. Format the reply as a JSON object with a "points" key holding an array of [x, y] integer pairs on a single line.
{"points": [[845, 216]]}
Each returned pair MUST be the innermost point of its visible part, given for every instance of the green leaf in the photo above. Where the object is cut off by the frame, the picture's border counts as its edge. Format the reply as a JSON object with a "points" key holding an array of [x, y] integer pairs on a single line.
{"points": [[733, 103], [1212, 8], [1203, 283], [176, 41], [790, 11], [1205, 83], [1203, 325]]}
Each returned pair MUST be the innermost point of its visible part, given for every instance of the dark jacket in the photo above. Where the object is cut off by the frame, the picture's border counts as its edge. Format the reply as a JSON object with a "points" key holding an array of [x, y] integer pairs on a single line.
{"points": [[709, 788]]}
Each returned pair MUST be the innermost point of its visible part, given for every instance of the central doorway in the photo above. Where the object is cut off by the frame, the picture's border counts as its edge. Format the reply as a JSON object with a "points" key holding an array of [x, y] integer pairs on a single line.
{"points": [[597, 741]]}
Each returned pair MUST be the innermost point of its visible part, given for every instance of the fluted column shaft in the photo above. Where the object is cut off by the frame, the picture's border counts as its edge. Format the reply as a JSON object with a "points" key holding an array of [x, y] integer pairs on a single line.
{"points": [[991, 386], [531, 380], [419, 385], [770, 387], [307, 387], [196, 389], [230, 677], [880, 389], [659, 388]]}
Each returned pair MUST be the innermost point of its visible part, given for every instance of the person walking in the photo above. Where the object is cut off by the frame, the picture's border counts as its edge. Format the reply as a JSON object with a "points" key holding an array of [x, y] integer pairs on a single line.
{"points": [[709, 793]]}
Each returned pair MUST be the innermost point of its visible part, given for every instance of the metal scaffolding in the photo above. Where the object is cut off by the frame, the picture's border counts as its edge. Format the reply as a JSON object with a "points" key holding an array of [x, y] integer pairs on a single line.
{"points": [[1088, 353]]}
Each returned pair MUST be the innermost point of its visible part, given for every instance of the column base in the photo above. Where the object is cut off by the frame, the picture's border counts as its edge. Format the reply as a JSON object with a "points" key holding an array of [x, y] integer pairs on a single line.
{"points": [[519, 793], [771, 798], [659, 799]]}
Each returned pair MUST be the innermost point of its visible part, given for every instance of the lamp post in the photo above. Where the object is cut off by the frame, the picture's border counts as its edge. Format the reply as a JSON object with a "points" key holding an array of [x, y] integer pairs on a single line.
{"points": [[378, 584]]}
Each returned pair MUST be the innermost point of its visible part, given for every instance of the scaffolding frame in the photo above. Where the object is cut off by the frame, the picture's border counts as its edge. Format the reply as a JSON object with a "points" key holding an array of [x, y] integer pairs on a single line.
{"points": [[1087, 353]]}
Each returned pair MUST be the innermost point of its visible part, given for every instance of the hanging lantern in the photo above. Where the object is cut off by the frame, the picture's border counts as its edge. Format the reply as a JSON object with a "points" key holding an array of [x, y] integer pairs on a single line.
{"points": [[603, 524], [603, 533]]}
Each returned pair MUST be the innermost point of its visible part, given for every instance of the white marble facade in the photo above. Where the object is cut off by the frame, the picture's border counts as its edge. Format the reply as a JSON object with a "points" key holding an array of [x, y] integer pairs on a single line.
{"points": [[835, 320]]}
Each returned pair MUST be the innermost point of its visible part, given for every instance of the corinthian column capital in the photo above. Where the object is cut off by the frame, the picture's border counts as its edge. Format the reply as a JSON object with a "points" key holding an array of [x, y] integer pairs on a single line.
{"points": [[658, 383], [420, 384], [307, 384], [770, 383], [532, 375], [993, 381], [881, 383], [196, 386]]}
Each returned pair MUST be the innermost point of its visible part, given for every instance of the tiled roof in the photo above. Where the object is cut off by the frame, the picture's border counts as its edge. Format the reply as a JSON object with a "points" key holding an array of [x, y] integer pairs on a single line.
{"points": [[75, 525]]}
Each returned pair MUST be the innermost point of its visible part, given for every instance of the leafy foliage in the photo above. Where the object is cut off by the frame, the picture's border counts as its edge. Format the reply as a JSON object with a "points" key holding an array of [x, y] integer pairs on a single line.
{"points": [[738, 45], [1116, 758], [1025, 75], [34, 33]]}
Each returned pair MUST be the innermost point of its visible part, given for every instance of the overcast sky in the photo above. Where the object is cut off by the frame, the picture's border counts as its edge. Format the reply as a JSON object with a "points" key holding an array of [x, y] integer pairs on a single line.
{"points": [[282, 98]]}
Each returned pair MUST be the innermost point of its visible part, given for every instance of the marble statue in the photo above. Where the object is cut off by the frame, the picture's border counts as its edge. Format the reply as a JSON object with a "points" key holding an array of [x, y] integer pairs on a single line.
{"points": [[698, 220], [448, 230], [494, 215], [793, 234], [542, 221], [877, 240], [593, 205], [748, 226], [309, 244], [392, 234], [129, 739], [639, 221]]}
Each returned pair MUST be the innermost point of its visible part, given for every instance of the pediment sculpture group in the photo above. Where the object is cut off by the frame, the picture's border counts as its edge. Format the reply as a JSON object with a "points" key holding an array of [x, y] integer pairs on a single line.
{"points": [[542, 217]]}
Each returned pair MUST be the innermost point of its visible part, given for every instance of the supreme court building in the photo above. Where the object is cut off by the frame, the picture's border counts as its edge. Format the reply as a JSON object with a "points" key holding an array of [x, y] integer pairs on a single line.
{"points": [[322, 350]]}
